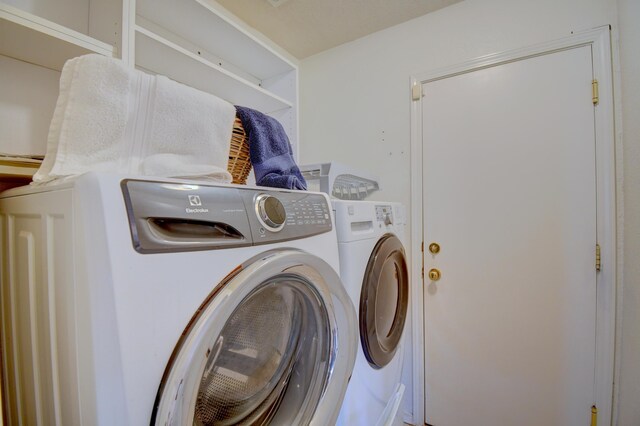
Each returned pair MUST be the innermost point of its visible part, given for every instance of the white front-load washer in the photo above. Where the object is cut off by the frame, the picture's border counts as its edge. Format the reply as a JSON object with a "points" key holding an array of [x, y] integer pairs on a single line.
{"points": [[129, 301], [373, 268]]}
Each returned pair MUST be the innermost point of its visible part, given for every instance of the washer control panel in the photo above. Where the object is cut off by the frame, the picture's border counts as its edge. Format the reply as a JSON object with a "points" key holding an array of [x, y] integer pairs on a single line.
{"points": [[287, 215], [175, 216], [309, 211], [271, 212]]}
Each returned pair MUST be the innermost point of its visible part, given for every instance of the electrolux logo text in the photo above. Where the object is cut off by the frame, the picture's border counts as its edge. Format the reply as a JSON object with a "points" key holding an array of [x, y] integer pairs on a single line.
{"points": [[195, 201]]}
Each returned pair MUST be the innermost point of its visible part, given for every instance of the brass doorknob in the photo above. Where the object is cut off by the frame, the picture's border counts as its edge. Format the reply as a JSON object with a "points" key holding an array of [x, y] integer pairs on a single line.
{"points": [[434, 248], [434, 274]]}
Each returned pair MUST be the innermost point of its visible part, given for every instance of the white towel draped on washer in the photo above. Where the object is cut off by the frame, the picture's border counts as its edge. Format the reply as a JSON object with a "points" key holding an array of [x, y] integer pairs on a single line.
{"points": [[112, 118]]}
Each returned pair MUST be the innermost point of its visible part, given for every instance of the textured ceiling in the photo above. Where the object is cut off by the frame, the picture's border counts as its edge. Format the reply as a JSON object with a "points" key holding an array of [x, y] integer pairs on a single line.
{"points": [[307, 27]]}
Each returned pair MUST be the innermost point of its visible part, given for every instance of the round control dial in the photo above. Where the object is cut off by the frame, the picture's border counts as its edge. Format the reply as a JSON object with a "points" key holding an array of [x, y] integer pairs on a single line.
{"points": [[270, 211]]}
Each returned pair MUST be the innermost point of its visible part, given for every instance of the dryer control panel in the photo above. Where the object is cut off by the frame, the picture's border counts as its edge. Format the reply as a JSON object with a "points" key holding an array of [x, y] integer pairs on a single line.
{"points": [[170, 216], [384, 214]]}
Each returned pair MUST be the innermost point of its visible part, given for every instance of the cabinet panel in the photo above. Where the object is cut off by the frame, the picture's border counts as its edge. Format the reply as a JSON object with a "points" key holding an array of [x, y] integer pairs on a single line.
{"points": [[27, 98], [38, 41], [72, 14], [95, 19]]}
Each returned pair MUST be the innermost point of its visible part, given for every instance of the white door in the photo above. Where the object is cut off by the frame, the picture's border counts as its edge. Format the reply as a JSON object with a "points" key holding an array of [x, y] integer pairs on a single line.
{"points": [[510, 196]]}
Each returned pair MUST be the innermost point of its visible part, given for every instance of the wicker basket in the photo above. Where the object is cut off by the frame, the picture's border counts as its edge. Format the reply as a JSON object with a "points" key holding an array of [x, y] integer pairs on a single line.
{"points": [[239, 162]]}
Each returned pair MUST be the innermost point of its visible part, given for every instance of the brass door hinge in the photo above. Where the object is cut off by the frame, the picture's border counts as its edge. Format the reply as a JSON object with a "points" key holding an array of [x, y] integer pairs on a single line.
{"points": [[416, 92], [594, 415], [598, 258], [422, 251], [595, 98]]}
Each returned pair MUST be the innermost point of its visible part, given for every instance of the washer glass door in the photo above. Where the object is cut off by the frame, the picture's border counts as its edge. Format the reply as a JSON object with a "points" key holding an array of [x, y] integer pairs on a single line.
{"points": [[258, 354], [384, 301], [260, 351]]}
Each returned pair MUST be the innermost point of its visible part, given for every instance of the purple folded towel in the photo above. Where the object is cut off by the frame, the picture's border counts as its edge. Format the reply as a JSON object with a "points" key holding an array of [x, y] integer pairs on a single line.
{"points": [[270, 151]]}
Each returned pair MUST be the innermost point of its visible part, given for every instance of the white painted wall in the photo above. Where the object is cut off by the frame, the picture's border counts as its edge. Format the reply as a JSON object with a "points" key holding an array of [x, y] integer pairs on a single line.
{"points": [[355, 108]]}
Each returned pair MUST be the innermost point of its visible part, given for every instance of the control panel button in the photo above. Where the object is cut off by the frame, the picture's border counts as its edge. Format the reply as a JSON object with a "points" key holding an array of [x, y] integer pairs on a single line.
{"points": [[270, 212], [384, 214]]}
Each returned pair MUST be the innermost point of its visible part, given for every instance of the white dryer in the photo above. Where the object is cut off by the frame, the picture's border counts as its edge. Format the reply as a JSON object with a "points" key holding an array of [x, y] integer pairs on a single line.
{"points": [[373, 268], [130, 301]]}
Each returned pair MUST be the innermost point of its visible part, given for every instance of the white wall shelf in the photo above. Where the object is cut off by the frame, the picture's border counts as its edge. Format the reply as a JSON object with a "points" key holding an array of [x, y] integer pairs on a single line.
{"points": [[158, 55], [202, 23], [35, 40], [16, 168]]}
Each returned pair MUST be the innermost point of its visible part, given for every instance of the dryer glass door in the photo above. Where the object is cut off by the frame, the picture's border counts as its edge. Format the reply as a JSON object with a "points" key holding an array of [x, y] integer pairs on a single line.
{"points": [[260, 351], [384, 301]]}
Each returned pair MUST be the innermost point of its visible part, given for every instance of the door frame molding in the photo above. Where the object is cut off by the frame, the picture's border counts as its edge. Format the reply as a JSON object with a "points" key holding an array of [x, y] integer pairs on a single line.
{"points": [[606, 279]]}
